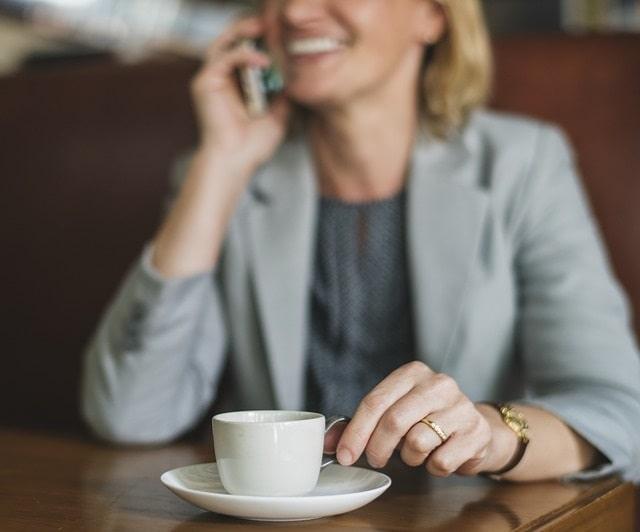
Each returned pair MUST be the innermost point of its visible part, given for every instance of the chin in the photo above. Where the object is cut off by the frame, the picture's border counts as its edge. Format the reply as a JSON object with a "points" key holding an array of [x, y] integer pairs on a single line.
{"points": [[313, 96]]}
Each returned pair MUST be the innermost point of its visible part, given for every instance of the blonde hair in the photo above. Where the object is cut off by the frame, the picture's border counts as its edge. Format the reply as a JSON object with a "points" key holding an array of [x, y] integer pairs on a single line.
{"points": [[457, 70]]}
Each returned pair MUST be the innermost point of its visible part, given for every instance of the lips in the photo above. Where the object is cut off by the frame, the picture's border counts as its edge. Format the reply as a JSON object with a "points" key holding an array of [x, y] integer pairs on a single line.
{"points": [[313, 45]]}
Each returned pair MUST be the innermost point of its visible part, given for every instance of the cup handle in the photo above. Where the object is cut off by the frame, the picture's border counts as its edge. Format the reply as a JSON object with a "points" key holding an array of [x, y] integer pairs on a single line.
{"points": [[330, 457]]}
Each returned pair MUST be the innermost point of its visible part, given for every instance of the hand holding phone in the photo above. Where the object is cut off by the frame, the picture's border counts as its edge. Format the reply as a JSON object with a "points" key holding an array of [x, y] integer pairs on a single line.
{"points": [[232, 145], [237, 135], [258, 85]]}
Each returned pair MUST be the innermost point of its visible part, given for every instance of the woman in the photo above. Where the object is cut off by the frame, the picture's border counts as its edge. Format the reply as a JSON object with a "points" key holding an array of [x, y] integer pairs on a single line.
{"points": [[405, 258]]}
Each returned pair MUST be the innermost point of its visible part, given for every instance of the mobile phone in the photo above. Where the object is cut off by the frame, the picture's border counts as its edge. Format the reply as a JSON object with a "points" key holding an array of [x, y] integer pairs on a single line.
{"points": [[258, 85]]}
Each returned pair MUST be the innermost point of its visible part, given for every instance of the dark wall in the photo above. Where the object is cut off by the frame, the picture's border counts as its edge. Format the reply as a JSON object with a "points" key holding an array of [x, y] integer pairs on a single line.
{"points": [[517, 16], [85, 155]]}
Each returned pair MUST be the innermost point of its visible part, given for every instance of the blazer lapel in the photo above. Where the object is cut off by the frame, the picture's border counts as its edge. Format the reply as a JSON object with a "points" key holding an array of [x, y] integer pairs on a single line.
{"points": [[282, 230], [446, 213]]}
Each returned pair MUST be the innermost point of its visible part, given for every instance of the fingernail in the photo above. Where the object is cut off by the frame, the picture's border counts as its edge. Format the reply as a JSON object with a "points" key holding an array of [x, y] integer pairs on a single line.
{"points": [[344, 457]]}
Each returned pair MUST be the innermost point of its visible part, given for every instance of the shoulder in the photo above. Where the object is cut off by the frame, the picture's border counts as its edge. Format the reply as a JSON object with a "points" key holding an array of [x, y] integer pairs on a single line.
{"points": [[510, 149], [521, 163], [497, 125], [510, 135]]}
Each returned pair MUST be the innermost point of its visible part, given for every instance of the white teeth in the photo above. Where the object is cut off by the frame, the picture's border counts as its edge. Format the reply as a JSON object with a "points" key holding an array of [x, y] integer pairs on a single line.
{"points": [[313, 45]]}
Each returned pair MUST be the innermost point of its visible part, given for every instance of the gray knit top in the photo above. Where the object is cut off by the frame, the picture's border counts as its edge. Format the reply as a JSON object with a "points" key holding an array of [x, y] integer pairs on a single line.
{"points": [[361, 320]]}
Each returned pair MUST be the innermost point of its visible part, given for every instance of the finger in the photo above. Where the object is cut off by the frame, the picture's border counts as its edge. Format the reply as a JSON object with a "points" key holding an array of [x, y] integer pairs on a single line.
{"points": [[332, 437], [403, 415], [459, 449], [218, 75], [238, 57], [473, 466], [477, 463], [422, 439], [436, 392], [248, 28], [373, 406], [419, 442]]}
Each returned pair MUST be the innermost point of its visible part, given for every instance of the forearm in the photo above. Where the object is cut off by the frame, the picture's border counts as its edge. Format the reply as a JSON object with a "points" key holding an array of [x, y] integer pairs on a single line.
{"points": [[158, 349], [554, 449], [189, 240]]}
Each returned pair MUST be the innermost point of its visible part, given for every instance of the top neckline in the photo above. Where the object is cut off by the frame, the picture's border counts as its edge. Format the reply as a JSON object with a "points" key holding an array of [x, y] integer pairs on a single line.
{"points": [[337, 202]]}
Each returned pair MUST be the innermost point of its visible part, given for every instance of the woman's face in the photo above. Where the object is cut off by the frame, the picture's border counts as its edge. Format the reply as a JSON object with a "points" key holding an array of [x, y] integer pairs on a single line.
{"points": [[333, 51]]}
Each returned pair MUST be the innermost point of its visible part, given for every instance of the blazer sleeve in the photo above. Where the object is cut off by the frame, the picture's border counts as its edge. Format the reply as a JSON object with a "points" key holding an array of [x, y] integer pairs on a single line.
{"points": [[152, 367], [575, 337]]}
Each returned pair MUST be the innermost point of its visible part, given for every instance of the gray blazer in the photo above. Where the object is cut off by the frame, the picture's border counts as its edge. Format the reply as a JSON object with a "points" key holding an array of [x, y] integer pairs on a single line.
{"points": [[513, 297]]}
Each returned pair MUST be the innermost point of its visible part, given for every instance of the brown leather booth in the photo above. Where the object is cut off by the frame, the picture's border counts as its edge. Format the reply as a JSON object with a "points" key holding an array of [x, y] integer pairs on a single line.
{"points": [[84, 158]]}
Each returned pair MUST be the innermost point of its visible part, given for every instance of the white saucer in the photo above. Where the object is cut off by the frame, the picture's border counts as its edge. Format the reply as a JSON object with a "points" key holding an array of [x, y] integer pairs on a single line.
{"points": [[340, 489]]}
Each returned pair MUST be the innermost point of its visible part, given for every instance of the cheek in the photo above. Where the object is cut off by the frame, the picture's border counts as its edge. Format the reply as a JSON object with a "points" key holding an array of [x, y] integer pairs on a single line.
{"points": [[383, 31], [379, 56]]}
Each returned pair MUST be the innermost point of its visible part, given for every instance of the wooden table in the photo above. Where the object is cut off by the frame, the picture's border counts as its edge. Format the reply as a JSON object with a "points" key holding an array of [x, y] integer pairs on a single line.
{"points": [[52, 482]]}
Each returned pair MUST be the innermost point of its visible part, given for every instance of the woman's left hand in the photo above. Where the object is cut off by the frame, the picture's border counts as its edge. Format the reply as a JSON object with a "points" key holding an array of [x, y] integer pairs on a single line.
{"points": [[390, 416]]}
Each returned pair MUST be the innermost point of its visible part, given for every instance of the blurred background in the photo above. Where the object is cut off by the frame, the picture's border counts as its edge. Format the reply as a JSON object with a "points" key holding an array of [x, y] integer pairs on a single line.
{"points": [[95, 110]]}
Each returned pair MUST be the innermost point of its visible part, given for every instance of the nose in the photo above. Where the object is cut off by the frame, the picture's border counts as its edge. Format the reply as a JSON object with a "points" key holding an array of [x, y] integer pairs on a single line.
{"points": [[301, 12]]}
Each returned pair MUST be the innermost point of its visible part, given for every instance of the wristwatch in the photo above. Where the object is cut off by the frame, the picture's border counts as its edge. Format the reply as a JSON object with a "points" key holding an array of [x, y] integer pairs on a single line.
{"points": [[517, 423]]}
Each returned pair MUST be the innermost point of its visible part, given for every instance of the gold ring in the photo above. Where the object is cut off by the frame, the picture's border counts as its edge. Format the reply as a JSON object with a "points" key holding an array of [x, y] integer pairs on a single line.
{"points": [[436, 428]]}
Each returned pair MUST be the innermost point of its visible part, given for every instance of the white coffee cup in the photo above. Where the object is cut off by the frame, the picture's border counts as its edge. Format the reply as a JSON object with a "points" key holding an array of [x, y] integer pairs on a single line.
{"points": [[271, 453]]}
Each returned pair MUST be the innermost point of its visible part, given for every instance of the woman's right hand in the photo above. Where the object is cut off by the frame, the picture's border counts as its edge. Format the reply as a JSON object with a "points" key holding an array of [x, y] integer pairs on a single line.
{"points": [[226, 128], [232, 146]]}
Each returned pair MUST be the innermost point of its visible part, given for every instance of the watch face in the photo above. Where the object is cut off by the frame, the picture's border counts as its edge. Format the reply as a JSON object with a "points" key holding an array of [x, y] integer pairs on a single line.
{"points": [[515, 420], [514, 425]]}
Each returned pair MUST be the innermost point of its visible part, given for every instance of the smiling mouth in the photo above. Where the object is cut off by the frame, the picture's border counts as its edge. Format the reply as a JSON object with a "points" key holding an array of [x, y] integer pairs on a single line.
{"points": [[313, 45]]}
